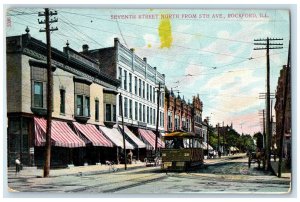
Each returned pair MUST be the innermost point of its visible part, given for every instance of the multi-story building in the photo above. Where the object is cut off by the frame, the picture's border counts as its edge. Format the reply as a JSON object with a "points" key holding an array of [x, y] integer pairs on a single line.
{"points": [[84, 97], [138, 89], [178, 113], [197, 116], [279, 114]]}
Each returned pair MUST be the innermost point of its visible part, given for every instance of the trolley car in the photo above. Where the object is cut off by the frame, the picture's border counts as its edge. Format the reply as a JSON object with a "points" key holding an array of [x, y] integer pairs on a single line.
{"points": [[182, 151]]}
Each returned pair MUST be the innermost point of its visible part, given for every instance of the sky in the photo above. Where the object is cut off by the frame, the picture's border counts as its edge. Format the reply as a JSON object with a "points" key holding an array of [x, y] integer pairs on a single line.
{"points": [[206, 52]]}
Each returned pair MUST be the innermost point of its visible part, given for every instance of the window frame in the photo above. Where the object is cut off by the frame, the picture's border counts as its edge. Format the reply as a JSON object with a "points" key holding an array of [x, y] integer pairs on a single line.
{"points": [[41, 102]]}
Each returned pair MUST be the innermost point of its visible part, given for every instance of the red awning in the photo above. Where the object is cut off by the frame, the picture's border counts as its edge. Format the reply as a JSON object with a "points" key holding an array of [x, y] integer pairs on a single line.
{"points": [[159, 142], [149, 137], [61, 134], [93, 134]]}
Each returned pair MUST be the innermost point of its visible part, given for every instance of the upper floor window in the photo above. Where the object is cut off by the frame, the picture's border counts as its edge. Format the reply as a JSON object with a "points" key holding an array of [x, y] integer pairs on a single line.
{"points": [[135, 85], [82, 96], [62, 100], [38, 94], [147, 91], [136, 111], [130, 82], [97, 110], [151, 93], [125, 79], [130, 109], [108, 112], [38, 88], [120, 76], [125, 107], [140, 87], [143, 89]]}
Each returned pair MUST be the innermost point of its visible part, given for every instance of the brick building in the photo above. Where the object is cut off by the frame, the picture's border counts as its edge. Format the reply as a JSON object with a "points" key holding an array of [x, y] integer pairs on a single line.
{"points": [[279, 113]]}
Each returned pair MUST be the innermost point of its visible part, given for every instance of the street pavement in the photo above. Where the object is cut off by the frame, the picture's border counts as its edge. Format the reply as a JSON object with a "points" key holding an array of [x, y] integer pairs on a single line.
{"points": [[225, 175]]}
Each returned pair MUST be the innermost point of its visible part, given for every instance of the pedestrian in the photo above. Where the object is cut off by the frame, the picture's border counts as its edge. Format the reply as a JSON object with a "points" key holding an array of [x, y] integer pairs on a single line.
{"points": [[130, 154], [18, 165], [219, 154]]}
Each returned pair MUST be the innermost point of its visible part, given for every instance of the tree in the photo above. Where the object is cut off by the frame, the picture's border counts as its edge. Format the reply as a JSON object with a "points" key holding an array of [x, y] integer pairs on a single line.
{"points": [[259, 140]]}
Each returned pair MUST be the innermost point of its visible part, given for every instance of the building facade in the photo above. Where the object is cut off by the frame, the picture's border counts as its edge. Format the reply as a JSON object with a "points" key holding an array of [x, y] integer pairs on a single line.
{"points": [[279, 114], [138, 89], [178, 113], [81, 93]]}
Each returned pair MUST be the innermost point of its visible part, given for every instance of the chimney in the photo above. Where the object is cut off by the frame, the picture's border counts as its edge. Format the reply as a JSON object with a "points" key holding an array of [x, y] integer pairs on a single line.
{"points": [[116, 41], [85, 48], [163, 75], [132, 49], [145, 59]]}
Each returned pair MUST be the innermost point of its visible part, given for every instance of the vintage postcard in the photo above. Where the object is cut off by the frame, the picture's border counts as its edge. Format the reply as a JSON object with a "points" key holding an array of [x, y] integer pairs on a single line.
{"points": [[148, 101]]}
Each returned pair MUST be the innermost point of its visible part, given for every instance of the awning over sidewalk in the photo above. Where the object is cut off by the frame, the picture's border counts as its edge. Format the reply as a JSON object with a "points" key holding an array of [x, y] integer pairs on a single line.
{"points": [[116, 137], [92, 134], [61, 134], [149, 137], [134, 138]]}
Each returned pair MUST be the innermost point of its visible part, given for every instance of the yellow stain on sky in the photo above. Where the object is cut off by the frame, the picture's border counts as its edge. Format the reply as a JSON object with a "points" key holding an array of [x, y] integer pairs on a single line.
{"points": [[149, 45], [165, 33]]}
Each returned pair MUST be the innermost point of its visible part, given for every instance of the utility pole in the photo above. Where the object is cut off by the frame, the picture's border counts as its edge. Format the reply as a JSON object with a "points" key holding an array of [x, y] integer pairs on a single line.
{"points": [[123, 133], [47, 22], [207, 135], [218, 137], [157, 118], [267, 47], [223, 133], [262, 113], [287, 74]]}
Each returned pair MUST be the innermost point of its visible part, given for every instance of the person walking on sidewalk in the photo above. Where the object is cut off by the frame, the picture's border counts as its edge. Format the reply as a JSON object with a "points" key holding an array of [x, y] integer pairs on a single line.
{"points": [[18, 165]]}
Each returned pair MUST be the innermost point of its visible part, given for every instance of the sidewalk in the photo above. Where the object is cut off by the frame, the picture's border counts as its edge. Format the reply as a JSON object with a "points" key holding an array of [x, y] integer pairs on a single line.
{"points": [[76, 170], [285, 173], [223, 159]]}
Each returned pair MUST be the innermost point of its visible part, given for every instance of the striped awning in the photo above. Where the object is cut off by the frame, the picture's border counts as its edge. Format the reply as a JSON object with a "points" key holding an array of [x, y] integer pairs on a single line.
{"points": [[92, 134], [61, 134], [134, 138], [149, 137], [116, 137]]}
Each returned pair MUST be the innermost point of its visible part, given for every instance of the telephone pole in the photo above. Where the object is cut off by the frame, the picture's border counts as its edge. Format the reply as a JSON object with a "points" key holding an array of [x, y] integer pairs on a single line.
{"points": [[47, 22], [157, 117], [218, 137], [267, 46]]}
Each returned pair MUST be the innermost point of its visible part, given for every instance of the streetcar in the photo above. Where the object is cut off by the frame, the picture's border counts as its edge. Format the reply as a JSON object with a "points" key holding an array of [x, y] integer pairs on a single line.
{"points": [[182, 152]]}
